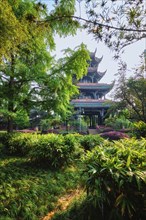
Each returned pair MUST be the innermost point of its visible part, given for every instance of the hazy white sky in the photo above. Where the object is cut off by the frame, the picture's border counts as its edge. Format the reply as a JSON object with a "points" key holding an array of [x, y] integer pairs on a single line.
{"points": [[131, 54]]}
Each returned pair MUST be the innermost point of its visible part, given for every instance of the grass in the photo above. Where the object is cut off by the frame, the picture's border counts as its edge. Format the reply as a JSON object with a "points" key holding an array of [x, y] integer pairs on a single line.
{"points": [[30, 193]]}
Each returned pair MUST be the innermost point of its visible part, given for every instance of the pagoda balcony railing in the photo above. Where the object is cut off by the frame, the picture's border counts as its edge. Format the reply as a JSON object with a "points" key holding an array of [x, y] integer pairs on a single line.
{"points": [[91, 103]]}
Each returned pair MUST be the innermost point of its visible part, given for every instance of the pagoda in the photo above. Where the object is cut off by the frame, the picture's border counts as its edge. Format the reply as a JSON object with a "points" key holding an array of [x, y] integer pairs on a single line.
{"points": [[91, 100]]}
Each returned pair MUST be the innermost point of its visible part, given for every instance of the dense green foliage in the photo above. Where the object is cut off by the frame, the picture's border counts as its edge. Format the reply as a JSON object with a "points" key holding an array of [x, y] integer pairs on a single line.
{"points": [[119, 120], [116, 23], [139, 129], [113, 173], [130, 93], [50, 150], [29, 193], [88, 142], [116, 183], [29, 75]]}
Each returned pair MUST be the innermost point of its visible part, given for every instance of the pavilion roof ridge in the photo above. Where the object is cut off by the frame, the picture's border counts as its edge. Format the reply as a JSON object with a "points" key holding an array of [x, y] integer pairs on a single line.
{"points": [[90, 100], [92, 84]]}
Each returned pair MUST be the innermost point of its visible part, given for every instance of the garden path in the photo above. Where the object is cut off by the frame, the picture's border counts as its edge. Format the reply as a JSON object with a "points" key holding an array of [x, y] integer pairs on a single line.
{"points": [[64, 202]]}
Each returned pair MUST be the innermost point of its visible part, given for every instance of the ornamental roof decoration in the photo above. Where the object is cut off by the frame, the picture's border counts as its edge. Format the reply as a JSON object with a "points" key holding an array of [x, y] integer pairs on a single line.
{"points": [[100, 74], [94, 58], [93, 69]]}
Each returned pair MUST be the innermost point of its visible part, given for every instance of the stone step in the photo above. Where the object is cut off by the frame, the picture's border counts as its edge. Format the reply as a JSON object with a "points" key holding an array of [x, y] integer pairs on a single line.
{"points": [[92, 131]]}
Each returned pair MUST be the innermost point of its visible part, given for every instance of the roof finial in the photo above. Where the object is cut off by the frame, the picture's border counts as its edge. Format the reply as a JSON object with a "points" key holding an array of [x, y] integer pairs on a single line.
{"points": [[95, 51]]}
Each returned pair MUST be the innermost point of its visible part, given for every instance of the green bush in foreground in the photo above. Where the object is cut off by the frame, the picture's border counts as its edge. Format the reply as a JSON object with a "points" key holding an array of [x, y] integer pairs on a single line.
{"points": [[139, 129], [29, 193], [88, 142], [116, 183], [20, 144], [52, 150], [55, 151]]}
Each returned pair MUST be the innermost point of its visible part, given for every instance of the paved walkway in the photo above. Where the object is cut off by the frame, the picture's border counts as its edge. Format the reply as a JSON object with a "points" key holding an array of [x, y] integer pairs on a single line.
{"points": [[92, 131]]}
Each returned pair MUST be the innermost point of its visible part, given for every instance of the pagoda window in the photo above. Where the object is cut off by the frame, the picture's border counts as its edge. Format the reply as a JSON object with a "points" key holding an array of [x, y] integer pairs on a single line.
{"points": [[95, 80], [100, 95], [89, 96], [87, 79]]}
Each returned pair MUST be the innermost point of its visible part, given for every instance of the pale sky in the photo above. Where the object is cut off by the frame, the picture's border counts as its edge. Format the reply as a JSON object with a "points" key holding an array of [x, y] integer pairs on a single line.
{"points": [[131, 54]]}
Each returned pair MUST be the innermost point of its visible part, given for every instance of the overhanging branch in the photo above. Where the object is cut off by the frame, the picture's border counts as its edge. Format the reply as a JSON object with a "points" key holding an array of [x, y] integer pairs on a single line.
{"points": [[59, 18]]}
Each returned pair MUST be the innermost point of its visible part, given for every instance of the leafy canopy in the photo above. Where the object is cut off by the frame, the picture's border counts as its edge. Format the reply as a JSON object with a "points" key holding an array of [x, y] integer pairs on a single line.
{"points": [[131, 92], [29, 75]]}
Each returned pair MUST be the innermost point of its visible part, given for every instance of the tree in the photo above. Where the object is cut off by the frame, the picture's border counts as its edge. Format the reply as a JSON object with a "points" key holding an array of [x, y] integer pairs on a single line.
{"points": [[16, 18], [29, 76], [131, 93], [12, 32], [116, 23]]}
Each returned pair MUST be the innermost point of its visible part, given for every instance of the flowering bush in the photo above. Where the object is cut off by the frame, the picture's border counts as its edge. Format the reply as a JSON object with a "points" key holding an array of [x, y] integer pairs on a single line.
{"points": [[114, 135]]}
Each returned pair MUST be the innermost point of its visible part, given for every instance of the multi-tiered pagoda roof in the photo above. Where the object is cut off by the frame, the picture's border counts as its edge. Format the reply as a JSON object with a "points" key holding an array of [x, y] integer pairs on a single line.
{"points": [[91, 99]]}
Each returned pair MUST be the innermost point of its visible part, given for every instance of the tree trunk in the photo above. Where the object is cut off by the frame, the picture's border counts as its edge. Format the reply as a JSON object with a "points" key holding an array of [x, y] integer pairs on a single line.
{"points": [[10, 125], [11, 89]]}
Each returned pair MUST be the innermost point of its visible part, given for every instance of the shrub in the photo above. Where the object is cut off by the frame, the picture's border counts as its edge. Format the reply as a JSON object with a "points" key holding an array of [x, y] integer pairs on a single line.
{"points": [[72, 141], [79, 125], [139, 129], [116, 180], [50, 149], [19, 144], [118, 122], [88, 142], [114, 135], [53, 150], [4, 136]]}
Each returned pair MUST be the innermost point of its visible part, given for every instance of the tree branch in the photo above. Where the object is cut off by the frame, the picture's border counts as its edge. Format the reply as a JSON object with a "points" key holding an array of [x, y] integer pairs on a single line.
{"points": [[132, 105], [59, 18]]}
